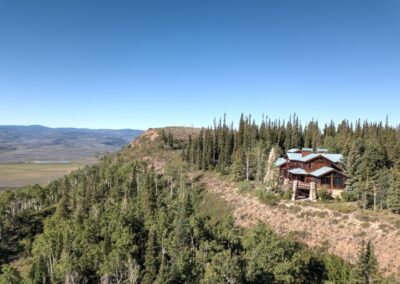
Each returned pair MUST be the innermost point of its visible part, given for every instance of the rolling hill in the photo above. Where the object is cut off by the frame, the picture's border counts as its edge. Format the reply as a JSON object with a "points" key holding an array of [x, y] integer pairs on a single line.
{"points": [[44, 144], [38, 154]]}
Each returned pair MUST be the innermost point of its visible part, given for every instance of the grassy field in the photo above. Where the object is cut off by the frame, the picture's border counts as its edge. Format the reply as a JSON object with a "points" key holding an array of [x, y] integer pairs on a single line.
{"points": [[17, 175]]}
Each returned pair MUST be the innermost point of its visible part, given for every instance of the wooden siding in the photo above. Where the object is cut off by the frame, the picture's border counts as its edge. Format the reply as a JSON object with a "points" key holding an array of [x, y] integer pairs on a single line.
{"points": [[333, 180]]}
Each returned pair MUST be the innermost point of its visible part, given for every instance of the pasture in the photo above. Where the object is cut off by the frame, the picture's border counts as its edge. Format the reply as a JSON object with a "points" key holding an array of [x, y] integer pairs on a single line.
{"points": [[21, 174]]}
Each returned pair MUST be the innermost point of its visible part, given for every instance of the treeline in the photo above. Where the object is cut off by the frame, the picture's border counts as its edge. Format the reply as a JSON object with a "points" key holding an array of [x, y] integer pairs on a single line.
{"points": [[371, 151], [121, 222]]}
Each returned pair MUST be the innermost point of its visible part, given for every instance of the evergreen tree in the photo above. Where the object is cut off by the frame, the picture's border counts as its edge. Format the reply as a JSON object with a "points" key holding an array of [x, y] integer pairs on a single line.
{"points": [[353, 161], [151, 261], [224, 268], [366, 269], [9, 275], [393, 199]]}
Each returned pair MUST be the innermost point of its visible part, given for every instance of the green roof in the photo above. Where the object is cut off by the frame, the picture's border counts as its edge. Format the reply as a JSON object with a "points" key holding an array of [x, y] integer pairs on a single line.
{"points": [[280, 162], [322, 171], [298, 171], [334, 158]]}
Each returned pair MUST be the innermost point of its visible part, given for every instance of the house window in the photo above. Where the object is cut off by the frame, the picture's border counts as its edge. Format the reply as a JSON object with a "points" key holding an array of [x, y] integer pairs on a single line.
{"points": [[326, 180], [338, 181]]}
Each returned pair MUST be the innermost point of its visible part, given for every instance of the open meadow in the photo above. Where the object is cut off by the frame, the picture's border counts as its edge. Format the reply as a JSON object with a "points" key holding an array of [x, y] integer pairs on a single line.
{"points": [[21, 174]]}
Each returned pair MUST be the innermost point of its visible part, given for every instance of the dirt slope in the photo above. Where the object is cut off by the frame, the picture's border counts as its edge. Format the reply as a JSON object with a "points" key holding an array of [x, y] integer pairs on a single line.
{"points": [[340, 232]]}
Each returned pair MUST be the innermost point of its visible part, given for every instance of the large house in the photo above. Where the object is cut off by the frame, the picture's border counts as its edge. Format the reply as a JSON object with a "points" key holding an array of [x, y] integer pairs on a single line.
{"points": [[306, 166]]}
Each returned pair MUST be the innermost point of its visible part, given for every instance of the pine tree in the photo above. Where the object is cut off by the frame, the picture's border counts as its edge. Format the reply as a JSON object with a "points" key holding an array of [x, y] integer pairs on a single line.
{"points": [[170, 140], [366, 270], [62, 208], [164, 137], [393, 199], [237, 168], [373, 160], [353, 161], [151, 261], [10, 275]]}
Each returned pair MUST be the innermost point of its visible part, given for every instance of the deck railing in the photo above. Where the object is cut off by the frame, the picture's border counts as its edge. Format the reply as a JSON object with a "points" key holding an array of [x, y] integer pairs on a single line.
{"points": [[303, 185]]}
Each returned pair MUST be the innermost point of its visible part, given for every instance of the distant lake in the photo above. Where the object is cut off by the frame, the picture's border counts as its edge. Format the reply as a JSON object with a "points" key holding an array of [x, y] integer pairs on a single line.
{"points": [[51, 162]]}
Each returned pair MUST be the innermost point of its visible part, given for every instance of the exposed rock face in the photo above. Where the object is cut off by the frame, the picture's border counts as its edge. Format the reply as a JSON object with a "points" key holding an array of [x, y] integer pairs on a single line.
{"points": [[272, 172], [149, 135], [313, 192]]}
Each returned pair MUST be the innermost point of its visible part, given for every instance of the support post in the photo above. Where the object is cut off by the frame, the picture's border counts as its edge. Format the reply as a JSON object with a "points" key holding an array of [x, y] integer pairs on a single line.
{"points": [[295, 189], [313, 192]]}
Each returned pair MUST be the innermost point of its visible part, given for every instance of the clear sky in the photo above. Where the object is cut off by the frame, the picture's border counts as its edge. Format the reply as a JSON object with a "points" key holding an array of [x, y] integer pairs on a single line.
{"points": [[140, 64]]}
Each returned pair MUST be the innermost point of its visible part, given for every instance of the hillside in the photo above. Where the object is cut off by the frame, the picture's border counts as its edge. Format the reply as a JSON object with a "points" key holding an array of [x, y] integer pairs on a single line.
{"points": [[43, 144], [143, 215], [339, 229]]}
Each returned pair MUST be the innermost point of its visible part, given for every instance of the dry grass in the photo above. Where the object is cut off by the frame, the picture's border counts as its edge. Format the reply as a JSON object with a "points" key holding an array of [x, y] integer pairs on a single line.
{"points": [[23, 266], [17, 175], [339, 232], [180, 132]]}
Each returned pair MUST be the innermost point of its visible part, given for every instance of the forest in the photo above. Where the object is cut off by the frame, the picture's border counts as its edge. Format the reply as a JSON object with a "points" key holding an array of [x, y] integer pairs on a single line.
{"points": [[371, 151], [122, 221]]}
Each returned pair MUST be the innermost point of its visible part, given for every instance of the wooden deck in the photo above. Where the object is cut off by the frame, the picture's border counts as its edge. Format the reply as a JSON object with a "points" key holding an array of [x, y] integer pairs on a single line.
{"points": [[302, 185]]}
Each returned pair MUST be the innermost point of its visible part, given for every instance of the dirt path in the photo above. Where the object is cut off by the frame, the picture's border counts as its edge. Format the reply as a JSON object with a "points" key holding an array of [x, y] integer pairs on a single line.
{"points": [[341, 233]]}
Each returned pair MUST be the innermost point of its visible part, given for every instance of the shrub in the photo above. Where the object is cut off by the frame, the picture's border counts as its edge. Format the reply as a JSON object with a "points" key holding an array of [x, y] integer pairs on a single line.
{"points": [[267, 198], [245, 186], [286, 195], [385, 228], [349, 196], [324, 194], [343, 207], [397, 224], [365, 225], [294, 209], [361, 217]]}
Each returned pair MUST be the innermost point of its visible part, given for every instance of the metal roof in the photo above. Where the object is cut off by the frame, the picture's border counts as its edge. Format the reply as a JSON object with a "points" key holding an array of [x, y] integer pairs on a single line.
{"points": [[280, 162], [294, 156], [309, 157], [293, 150], [335, 158], [317, 173], [322, 150], [307, 149], [298, 171], [322, 171]]}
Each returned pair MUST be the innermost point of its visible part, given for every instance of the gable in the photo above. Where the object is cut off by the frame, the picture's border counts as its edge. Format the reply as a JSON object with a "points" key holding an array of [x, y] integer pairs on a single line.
{"points": [[331, 158], [325, 171]]}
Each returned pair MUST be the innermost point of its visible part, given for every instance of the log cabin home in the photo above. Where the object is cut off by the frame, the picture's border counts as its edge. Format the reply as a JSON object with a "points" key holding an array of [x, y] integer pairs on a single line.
{"points": [[306, 165]]}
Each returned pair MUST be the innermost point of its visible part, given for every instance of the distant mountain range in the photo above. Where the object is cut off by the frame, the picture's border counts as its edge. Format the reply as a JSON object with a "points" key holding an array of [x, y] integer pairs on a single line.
{"points": [[37, 143]]}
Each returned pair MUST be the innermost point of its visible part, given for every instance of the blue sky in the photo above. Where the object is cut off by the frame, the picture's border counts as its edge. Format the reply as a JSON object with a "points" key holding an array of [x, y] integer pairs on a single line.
{"points": [[140, 64]]}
